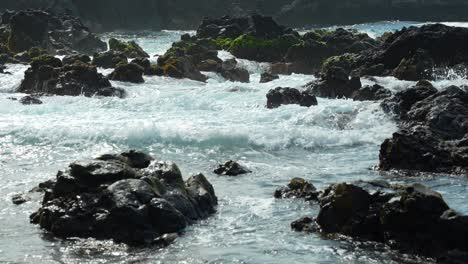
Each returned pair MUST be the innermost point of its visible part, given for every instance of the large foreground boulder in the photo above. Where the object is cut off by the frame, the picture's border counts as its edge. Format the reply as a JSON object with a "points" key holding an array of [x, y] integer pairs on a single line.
{"points": [[284, 96], [433, 130], [54, 33], [129, 198], [47, 75], [414, 218]]}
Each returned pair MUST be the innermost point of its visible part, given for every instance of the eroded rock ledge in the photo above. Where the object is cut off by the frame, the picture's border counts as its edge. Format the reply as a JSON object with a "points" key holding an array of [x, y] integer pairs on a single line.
{"points": [[129, 197]]}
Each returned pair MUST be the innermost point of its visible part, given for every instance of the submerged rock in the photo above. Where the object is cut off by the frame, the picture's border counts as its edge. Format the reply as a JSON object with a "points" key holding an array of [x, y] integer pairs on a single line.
{"points": [[30, 100], [47, 75], [231, 168], [284, 96], [130, 198], [433, 130], [297, 188], [130, 72]]}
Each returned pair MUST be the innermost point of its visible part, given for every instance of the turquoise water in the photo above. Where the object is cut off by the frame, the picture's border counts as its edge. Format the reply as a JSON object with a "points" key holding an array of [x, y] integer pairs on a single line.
{"points": [[199, 125]]}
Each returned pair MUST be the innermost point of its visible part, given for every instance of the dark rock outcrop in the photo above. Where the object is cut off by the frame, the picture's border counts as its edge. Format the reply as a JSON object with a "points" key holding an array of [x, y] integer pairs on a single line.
{"points": [[182, 59], [335, 83], [129, 198], [47, 75], [231, 72], [130, 72], [284, 96], [109, 59], [297, 188], [30, 100], [412, 53], [268, 77], [130, 49], [149, 69], [231, 168], [433, 130], [413, 219], [59, 34], [371, 93], [71, 59]]}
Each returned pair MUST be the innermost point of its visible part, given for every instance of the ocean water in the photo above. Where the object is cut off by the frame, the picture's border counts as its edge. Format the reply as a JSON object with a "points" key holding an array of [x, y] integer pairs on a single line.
{"points": [[199, 125]]}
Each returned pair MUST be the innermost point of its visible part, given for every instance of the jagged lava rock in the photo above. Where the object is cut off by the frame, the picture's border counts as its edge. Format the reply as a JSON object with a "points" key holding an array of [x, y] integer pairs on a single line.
{"points": [[129, 198]]}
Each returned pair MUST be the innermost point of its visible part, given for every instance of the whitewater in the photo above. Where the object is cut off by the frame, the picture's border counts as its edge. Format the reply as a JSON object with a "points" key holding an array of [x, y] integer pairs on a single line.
{"points": [[199, 125]]}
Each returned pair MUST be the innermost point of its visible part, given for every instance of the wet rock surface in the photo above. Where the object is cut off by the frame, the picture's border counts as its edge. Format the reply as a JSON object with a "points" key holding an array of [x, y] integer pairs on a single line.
{"points": [[335, 83], [130, 72], [268, 77], [433, 130], [130, 49], [47, 75], [51, 32], [30, 100], [109, 59], [410, 218], [297, 188], [284, 96], [371, 93], [231, 168], [232, 72], [129, 198], [412, 53]]}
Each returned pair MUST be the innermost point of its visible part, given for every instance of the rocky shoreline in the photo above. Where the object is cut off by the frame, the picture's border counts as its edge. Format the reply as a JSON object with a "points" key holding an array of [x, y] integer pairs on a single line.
{"points": [[132, 198]]}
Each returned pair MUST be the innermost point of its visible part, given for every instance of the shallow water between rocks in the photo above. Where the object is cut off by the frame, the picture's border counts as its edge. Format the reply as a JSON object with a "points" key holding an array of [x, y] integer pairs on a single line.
{"points": [[198, 125]]}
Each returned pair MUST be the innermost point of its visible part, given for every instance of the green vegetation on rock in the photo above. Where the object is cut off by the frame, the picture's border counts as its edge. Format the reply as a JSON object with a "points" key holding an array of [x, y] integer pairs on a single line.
{"points": [[345, 61], [261, 49], [131, 49], [46, 59]]}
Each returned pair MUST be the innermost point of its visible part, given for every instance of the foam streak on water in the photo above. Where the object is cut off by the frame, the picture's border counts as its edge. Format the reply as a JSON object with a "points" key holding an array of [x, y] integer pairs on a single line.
{"points": [[198, 125]]}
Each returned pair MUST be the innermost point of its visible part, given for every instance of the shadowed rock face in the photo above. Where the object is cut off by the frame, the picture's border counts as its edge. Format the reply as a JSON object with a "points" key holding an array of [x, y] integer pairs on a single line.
{"points": [[62, 34], [48, 75], [129, 197], [186, 14], [433, 134], [412, 218]]}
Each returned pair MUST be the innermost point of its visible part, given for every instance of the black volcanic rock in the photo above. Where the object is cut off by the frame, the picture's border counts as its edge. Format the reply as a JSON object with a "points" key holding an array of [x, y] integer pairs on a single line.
{"points": [[54, 33], [47, 75], [335, 83], [268, 77], [284, 96], [297, 188], [120, 197], [412, 53], [412, 218], [130, 72], [109, 59], [371, 93], [231, 168], [433, 130]]}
